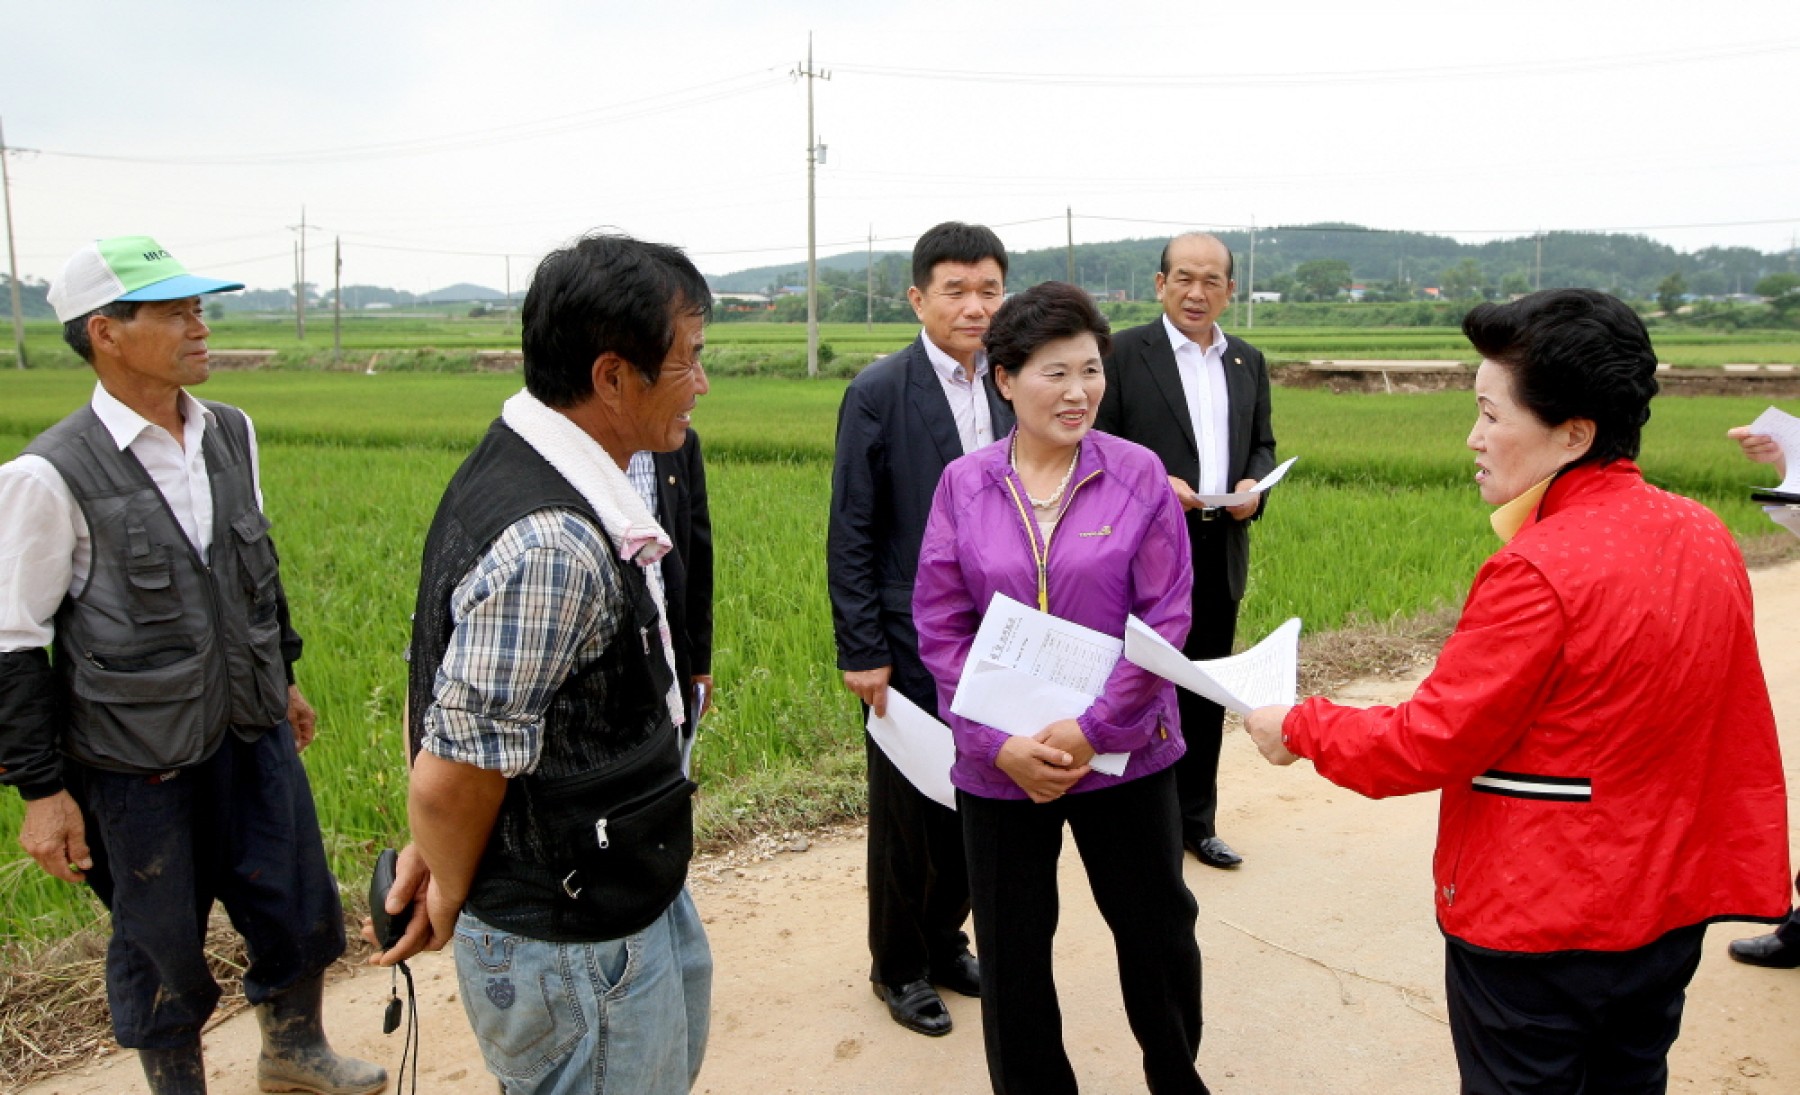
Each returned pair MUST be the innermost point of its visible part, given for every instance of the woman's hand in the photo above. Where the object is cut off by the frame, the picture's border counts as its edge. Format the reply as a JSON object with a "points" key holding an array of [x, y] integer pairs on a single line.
{"points": [[1264, 725], [1065, 734], [1043, 772]]}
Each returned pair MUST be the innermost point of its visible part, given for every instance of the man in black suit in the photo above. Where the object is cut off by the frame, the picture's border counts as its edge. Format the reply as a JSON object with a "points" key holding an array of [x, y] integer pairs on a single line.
{"points": [[1198, 398], [902, 420]]}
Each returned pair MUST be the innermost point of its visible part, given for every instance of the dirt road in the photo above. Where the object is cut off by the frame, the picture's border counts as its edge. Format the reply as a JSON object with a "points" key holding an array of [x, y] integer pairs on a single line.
{"points": [[1323, 966]]}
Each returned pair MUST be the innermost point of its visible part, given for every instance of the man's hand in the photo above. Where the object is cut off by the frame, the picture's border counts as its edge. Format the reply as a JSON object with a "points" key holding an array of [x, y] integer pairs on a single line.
{"points": [[1264, 725], [1043, 772], [870, 686], [1066, 735], [1185, 494], [1760, 447], [1248, 509], [302, 718], [425, 931], [54, 835]]}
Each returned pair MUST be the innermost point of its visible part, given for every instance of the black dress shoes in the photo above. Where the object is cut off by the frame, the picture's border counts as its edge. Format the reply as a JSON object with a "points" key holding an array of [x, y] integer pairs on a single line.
{"points": [[1766, 950], [1214, 852], [961, 974], [917, 1007]]}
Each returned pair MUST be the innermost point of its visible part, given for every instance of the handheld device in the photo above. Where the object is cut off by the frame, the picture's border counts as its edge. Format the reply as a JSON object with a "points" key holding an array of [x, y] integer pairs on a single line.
{"points": [[389, 927]]}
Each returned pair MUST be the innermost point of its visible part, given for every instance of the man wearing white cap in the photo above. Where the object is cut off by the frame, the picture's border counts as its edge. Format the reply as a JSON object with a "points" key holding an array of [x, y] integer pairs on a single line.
{"points": [[158, 750]]}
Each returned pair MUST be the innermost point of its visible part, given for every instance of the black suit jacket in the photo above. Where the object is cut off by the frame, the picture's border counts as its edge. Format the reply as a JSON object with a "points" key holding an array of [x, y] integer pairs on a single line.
{"points": [[1144, 403], [688, 570], [895, 435]]}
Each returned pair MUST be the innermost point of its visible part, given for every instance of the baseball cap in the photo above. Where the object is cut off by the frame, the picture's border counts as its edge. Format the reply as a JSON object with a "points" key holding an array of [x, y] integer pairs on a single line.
{"points": [[125, 268]]}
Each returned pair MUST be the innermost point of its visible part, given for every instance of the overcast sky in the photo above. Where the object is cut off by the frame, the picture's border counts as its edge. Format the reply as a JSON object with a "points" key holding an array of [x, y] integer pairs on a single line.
{"points": [[437, 138]]}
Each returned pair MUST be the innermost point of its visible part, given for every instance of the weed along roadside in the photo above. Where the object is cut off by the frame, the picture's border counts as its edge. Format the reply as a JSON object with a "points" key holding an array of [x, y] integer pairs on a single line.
{"points": [[1378, 527]]}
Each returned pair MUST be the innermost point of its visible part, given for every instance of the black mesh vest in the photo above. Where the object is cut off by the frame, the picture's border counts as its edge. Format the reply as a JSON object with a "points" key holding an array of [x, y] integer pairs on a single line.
{"points": [[594, 843]]}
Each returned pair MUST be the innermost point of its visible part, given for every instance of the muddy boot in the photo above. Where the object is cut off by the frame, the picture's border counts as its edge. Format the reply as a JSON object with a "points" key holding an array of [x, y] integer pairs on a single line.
{"points": [[295, 1055], [174, 1071]]}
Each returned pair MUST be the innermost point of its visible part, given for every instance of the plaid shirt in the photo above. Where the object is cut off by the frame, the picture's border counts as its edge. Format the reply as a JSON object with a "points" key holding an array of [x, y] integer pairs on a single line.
{"points": [[541, 603]]}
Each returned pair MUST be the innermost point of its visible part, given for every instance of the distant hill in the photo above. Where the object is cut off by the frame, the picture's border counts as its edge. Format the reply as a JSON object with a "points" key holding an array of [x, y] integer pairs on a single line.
{"points": [[1630, 265], [758, 279]]}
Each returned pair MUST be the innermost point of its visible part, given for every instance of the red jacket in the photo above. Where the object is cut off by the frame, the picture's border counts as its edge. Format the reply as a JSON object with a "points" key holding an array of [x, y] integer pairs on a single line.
{"points": [[1599, 725]]}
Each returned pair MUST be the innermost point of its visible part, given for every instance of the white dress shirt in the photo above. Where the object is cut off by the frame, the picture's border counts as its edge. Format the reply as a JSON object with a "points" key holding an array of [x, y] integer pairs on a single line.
{"points": [[968, 398], [1202, 370], [45, 551]]}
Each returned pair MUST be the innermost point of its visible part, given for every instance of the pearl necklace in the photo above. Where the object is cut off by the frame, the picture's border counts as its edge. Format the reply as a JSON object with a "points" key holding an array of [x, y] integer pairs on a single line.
{"points": [[1054, 500]]}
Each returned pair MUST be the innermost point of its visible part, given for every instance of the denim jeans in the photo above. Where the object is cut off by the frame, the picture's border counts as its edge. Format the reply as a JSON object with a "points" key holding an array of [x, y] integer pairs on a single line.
{"points": [[626, 1016]]}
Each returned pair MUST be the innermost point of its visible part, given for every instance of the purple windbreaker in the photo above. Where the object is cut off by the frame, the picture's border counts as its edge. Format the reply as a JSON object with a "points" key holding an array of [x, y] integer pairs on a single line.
{"points": [[1121, 548]]}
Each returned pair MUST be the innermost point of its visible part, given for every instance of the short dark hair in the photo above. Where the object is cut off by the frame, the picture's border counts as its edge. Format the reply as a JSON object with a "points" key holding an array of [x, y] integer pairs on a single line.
{"points": [[1574, 353], [1043, 313], [75, 331], [954, 241], [605, 292], [1230, 261]]}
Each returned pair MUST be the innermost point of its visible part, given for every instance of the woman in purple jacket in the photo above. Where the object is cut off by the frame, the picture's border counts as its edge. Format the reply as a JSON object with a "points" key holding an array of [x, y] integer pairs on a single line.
{"points": [[1084, 526]]}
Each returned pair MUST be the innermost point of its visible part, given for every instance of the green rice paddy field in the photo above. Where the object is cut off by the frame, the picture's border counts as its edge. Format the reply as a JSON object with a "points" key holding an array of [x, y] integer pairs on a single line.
{"points": [[1379, 519]]}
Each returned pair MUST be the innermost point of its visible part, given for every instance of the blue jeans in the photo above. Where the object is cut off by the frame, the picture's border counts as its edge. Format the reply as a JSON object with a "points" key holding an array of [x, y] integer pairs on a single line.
{"points": [[627, 1016]]}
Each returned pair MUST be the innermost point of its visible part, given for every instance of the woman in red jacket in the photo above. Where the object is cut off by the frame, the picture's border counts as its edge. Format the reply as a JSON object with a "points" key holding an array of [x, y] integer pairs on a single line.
{"points": [[1598, 724]]}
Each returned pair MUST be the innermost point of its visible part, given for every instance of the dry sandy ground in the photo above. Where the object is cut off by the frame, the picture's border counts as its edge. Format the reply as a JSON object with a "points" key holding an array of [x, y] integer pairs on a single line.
{"points": [[1323, 966]]}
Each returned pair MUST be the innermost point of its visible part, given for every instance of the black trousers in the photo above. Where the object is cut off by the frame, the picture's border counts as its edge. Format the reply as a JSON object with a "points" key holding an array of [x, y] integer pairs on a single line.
{"points": [[918, 883], [1129, 838], [1202, 721], [1571, 1023], [238, 828]]}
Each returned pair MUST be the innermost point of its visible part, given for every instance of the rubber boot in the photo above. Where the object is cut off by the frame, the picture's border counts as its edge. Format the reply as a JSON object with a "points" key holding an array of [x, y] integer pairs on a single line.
{"points": [[295, 1054], [178, 1071]]}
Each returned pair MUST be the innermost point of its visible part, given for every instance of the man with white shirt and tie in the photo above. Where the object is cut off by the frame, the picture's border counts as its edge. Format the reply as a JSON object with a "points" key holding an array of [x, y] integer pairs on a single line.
{"points": [[1199, 399], [157, 750]]}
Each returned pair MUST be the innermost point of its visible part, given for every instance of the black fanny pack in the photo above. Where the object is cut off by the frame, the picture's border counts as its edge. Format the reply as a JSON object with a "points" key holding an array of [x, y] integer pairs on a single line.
{"points": [[606, 851]]}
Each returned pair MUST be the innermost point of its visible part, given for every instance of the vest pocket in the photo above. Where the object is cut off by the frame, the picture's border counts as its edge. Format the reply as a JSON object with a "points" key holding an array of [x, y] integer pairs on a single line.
{"points": [[256, 555], [153, 674], [155, 598]]}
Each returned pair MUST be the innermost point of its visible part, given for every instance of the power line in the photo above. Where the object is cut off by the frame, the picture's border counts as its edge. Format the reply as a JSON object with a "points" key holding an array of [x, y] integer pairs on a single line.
{"points": [[1318, 77], [650, 106]]}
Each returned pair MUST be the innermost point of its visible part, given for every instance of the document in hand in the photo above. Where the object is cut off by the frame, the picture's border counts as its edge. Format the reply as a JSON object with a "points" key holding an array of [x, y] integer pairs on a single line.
{"points": [[1028, 669], [1785, 429], [1238, 498], [1264, 674], [919, 745]]}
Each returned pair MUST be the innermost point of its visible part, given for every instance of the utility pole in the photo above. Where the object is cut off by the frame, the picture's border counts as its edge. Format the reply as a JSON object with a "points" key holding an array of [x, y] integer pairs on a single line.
{"points": [[869, 286], [1537, 276], [337, 299], [12, 259], [1069, 213], [814, 153], [509, 311], [300, 277], [1250, 293]]}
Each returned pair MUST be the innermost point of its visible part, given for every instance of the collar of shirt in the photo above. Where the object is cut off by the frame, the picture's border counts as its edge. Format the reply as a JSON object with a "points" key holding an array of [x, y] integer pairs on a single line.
{"points": [[1216, 345], [948, 368], [125, 425]]}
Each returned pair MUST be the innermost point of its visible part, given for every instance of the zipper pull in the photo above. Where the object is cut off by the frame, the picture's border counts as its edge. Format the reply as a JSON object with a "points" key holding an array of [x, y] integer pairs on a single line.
{"points": [[1450, 894], [600, 834]]}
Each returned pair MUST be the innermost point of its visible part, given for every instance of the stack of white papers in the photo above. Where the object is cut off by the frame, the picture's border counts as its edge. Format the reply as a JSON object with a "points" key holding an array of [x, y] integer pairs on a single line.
{"points": [[919, 745], [1028, 669]]}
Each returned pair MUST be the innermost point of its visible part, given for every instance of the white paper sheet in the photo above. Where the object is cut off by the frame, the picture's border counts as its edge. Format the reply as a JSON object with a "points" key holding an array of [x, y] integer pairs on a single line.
{"points": [[1785, 429], [1266, 673], [1028, 669], [919, 745], [1788, 517], [1238, 498]]}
